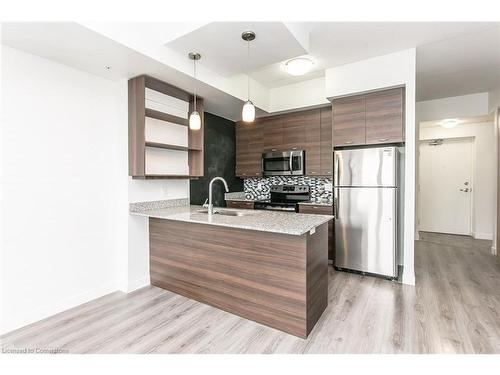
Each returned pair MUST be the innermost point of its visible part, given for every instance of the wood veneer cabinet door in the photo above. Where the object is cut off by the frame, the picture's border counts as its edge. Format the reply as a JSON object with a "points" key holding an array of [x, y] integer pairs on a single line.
{"points": [[323, 210], [249, 140], [326, 145], [349, 121], [384, 116], [273, 133], [294, 130], [240, 204], [313, 142]]}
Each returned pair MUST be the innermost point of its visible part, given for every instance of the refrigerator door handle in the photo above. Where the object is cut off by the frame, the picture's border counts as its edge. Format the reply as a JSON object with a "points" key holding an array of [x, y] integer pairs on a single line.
{"points": [[336, 201], [290, 162], [336, 177]]}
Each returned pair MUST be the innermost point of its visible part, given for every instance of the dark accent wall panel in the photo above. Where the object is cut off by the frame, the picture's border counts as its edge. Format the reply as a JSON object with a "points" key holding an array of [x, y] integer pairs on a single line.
{"points": [[220, 160]]}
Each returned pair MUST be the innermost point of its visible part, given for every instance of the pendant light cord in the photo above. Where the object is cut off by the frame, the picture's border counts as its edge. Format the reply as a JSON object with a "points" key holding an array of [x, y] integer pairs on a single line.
{"points": [[194, 72], [248, 70]]}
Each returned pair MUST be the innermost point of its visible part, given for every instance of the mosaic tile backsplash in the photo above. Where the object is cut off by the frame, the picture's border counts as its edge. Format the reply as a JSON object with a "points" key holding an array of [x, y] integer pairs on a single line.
{"points": [[259, 187]]}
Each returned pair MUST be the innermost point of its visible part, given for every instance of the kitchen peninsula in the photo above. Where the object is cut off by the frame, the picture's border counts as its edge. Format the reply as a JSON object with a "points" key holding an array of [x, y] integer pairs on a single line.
{"points": [[266, 266]]}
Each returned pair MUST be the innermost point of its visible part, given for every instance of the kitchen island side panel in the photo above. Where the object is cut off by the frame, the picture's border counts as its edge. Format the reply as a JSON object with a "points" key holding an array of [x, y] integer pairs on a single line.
{"points": [[257, 275]]}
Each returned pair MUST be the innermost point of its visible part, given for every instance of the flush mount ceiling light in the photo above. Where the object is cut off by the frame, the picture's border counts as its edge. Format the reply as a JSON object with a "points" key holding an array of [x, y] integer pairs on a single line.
{"points": [[194, 117], [299, 66], [248, 112], [449, 123]]}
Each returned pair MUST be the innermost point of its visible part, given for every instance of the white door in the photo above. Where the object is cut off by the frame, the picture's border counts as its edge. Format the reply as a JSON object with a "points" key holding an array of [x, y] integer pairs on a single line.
{"points": [[446, 186]]}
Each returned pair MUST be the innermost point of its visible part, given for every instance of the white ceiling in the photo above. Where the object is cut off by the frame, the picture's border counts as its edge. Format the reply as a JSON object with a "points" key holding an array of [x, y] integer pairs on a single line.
{"points": [[75, 45], [452, 58], [462, 121], [225, 52], [459, 65]]}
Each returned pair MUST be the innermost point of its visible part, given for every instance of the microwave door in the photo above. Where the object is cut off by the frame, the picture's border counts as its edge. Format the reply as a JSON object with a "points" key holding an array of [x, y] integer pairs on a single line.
{"points": [[277, 165]]}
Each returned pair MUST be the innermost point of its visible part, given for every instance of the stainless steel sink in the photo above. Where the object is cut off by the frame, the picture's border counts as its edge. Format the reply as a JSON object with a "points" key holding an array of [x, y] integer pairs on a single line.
{"points": [[226, 212]]}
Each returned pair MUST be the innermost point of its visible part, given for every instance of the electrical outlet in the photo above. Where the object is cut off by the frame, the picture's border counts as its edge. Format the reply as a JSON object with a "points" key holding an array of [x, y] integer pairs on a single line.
{"points": [[329, 187]]}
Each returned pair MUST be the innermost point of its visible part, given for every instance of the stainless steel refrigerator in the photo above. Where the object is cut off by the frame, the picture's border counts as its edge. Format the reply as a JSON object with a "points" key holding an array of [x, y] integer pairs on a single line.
{"points": [[365, 202]]}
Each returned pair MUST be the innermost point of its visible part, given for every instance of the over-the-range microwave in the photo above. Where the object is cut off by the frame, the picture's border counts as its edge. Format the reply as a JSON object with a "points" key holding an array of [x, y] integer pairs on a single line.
{"points": [[283, 163]]}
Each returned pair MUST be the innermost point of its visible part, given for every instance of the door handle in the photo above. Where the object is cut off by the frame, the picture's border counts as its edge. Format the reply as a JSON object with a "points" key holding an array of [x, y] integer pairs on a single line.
{"points": [[336, 203], [336, 166], [465, 190]]}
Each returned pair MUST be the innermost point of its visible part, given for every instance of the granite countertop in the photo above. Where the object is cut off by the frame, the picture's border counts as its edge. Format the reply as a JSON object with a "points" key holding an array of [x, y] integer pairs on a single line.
{"points": [[313, 203], [259, 220]]}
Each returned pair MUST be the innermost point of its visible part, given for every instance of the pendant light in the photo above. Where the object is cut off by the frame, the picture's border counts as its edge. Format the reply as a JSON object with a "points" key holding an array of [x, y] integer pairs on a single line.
{"points": [[248, 112], [194, 117]]}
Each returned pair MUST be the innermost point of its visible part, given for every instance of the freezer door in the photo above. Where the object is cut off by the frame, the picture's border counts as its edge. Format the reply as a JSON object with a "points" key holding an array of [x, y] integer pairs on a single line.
{"points": [[366, 167], [365, 230]]}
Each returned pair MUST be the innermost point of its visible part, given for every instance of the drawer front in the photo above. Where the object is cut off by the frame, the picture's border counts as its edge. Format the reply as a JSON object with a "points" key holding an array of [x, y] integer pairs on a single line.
{"points": [[239, 204], [319, 210]]}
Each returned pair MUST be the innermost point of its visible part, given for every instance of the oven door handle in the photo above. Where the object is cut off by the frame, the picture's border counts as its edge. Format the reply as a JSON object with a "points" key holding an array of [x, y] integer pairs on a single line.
{"points": [[290, 162]]}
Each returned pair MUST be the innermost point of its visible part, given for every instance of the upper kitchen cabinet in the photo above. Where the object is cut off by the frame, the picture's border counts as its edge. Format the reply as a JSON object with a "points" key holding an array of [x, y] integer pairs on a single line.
{"points": [[249, 145], [326, 139], [294, 130], [312, 127], [366, 119], [384, 116], [273, 133], [161, 145], [349, 121]]}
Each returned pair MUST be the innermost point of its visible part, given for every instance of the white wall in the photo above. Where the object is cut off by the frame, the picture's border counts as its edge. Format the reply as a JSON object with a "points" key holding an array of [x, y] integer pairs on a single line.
{"points": [[67, 236], [484, 178], [298, 95], [493, 99], [390, 70], [61, 189], [453, 107]]}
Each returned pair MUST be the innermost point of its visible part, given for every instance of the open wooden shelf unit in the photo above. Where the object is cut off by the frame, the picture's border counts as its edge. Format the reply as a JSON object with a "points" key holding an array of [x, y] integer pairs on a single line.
{"points": [[161, 145]]}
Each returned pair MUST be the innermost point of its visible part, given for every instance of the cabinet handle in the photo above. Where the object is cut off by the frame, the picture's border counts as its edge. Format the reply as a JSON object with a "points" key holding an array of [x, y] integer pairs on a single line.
{"points": [[274, 149], [257, 173], [383, 139], [348, 142], [329, 172], [314, 172], [294, 148]]}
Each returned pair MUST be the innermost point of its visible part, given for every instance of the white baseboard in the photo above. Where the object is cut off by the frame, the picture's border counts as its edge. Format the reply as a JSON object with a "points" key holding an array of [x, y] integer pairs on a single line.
{"points": [[28, 317], [138, 283], [408, 279], [482, 236]]}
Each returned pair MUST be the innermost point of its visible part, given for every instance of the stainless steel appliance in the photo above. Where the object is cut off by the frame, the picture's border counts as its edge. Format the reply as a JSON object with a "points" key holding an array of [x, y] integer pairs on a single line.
{"points": [[366, 216], [286, 163], [285, 198]]}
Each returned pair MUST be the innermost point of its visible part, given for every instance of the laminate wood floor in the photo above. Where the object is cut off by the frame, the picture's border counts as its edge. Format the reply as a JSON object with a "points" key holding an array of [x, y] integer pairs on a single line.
{"points": [[454, 308]]}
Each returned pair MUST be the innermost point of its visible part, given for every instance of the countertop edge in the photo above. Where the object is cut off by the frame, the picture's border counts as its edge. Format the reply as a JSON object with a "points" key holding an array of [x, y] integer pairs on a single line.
{"points": [[322, 220]]}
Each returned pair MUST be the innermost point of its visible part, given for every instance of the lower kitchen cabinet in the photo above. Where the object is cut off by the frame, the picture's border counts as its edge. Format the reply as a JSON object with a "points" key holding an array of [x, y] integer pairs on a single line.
{"points": [[240, 204], [322, 210]]}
